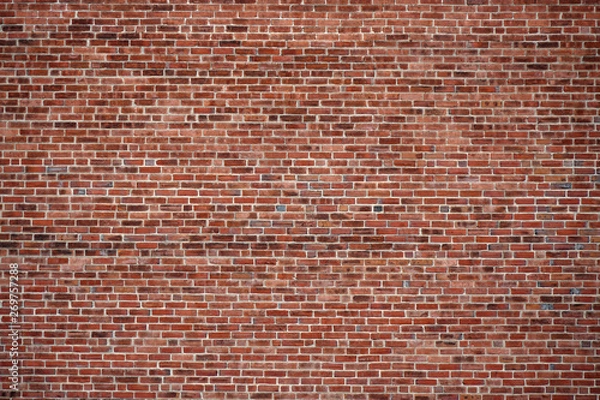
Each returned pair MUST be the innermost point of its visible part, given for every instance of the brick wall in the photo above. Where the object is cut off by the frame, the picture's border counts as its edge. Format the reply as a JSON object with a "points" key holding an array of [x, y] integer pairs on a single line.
{"points": [[301, 199]]}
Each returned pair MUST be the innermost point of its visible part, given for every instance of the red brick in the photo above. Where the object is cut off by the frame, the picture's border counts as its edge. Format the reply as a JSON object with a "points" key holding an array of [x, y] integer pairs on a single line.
{"points": [[256, 199]]}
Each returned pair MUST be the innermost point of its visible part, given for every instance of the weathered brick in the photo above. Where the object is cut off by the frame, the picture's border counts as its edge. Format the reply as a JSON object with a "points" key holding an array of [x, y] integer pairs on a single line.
{"points": [[263, 199]]}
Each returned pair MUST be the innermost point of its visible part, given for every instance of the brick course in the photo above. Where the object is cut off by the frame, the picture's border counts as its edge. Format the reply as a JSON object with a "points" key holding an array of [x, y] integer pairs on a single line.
{"points": [[350, 199]]}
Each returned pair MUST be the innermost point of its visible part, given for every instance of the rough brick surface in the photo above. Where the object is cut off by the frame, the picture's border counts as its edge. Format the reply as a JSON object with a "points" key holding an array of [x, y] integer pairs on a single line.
{"points": [[353, 199]]}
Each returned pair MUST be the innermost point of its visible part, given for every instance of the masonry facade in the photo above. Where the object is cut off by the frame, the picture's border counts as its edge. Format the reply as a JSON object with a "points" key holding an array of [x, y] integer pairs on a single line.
{"points": [[301, 199]]}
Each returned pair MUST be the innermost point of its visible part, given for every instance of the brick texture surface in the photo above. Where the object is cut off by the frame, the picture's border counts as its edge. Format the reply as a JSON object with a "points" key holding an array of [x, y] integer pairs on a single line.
{"points": [[352, 199]]}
